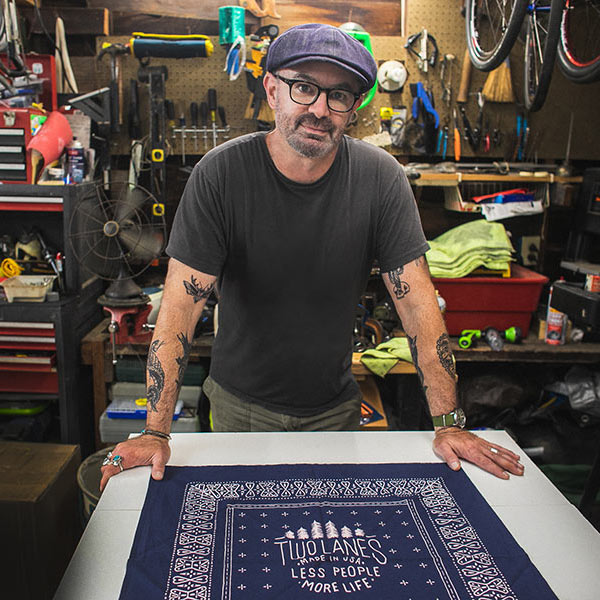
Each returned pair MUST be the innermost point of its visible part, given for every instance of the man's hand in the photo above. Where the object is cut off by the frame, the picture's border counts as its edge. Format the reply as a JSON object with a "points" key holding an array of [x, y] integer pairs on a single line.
{"points": [[452, 443], [139, 451]]}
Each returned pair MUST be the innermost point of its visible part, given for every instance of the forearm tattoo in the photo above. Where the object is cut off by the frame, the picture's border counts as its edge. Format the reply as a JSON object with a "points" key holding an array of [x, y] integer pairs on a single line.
{"points": [[445, 355], [412, 344], [401, 288], [196, 290], [156, 375], [183, 359]]}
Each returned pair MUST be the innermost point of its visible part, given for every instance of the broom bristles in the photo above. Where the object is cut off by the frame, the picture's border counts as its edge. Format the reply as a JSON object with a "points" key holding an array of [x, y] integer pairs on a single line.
{"points": [[498, 86]]}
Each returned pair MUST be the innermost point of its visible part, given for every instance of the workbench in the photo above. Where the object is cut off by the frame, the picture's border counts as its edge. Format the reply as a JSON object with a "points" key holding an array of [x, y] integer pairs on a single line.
{"points": [[560, 542], [96, 351]]}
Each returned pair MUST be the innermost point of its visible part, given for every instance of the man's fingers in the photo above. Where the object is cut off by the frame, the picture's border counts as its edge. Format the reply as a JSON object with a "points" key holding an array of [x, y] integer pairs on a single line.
{"points": [[445, 452], [158, 467], [505, 458]]}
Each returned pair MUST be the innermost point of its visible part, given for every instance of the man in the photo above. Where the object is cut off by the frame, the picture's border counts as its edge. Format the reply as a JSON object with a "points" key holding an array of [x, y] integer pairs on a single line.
{"points": [[290, 222]]}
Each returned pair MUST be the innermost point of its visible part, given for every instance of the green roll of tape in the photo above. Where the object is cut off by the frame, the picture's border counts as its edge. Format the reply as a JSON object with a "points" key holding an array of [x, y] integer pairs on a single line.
{"points": [[231, 23]]}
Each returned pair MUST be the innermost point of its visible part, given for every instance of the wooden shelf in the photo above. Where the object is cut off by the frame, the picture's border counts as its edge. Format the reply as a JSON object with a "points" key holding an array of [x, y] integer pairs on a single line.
{"points": [[431, 178]]}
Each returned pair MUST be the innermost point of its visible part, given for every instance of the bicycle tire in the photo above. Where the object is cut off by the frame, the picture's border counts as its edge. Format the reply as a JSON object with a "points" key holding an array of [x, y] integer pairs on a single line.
{"points": [[543, 27], [488, 48], [575, 66]]}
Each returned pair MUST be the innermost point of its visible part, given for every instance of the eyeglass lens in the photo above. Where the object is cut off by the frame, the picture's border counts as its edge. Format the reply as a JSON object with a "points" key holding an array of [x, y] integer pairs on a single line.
{"points": [[339, 100]]}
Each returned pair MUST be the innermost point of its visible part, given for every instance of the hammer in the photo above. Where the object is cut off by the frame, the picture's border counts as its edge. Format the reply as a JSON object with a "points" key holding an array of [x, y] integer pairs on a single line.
{"points": [[116, 84]]}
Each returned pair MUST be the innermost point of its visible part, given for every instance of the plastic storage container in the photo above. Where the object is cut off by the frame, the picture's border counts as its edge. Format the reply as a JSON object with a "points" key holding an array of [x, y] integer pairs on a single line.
{"points": [[499, 302], [28, 288]]}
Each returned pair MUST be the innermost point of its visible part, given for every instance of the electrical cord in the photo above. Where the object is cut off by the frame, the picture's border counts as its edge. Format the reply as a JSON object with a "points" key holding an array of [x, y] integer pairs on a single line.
{"points": [[57, 50]]}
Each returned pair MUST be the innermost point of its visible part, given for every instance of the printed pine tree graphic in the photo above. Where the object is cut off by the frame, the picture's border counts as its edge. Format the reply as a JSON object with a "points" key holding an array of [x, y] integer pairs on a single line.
{"points": [[302, 534], [331, 530], [316, 530], [346, 532], [359, 533], [289, 535]]}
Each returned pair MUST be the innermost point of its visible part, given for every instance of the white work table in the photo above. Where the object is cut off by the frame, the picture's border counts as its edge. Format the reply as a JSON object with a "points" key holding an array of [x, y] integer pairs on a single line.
{"points": [[561, 543]]}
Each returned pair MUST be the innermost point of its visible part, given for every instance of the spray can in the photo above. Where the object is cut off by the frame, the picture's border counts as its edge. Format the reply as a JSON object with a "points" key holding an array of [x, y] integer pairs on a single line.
{"points": [[75, 161], [556, 324]]}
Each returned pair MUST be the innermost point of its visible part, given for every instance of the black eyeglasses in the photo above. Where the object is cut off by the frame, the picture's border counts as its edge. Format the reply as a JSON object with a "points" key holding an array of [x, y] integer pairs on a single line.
{"points": [[304, 92]]}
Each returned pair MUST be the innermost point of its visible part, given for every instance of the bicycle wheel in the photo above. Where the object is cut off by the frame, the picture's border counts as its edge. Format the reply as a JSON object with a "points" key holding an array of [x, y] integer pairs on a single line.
{"points": [[541, 44], [492, 27], [579, 45]]}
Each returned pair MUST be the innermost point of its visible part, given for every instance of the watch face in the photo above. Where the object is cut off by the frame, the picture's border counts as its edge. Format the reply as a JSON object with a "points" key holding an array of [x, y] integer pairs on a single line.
{"points": [[461, 419]]}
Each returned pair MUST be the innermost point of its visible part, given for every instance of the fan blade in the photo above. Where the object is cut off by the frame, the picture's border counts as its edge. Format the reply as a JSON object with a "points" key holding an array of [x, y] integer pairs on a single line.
{"points": [[144, 244], [134, 200]]}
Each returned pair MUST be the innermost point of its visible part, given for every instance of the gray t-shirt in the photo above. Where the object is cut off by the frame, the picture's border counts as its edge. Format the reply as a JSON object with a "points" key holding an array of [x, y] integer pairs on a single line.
{"points": [[293, 260]]}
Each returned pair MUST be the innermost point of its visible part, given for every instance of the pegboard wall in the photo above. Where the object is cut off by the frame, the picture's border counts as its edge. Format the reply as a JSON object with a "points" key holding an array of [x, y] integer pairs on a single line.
{"points": [[189, 80]]}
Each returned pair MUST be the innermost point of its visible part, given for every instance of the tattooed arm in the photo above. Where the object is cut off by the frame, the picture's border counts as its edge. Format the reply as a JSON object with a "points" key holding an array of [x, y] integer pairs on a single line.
{"points": [[414, 298], [185, 294]]}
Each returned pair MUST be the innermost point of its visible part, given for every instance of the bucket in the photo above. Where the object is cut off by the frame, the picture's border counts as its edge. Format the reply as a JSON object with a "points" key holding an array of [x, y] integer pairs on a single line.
{"points": [[88, 479]]}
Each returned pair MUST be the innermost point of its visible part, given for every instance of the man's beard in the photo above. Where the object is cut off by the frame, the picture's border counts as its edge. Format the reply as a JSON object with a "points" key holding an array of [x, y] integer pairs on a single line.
{"points": [[300, 141]]}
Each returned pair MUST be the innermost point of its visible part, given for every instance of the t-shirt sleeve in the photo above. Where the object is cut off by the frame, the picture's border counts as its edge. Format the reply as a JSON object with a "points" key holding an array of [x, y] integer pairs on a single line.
{"points": [[198, 235], [399, 236]]}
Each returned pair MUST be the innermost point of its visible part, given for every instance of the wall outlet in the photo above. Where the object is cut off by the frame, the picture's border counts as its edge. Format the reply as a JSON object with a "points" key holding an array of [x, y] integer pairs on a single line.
{"points": [[529, 250]]}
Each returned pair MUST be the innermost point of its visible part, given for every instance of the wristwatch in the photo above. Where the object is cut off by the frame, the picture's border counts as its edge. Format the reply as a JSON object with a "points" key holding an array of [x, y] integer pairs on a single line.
{"points": [[456, 418]]}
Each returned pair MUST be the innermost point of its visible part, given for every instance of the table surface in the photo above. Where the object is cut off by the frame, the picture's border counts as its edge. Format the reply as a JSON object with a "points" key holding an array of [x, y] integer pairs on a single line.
{"points": [[560, 542]]}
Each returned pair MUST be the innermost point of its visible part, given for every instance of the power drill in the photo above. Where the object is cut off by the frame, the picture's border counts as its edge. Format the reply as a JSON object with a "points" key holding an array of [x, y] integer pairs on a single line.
{"points": [[493, 337]]}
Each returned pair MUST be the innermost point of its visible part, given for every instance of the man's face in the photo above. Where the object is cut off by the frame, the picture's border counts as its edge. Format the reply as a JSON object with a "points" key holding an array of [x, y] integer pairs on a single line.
{"points": [[312, 130]]}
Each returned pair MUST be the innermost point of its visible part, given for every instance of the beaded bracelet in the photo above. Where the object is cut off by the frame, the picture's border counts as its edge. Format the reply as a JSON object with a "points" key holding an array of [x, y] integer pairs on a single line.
{"points": [[160, 434]]}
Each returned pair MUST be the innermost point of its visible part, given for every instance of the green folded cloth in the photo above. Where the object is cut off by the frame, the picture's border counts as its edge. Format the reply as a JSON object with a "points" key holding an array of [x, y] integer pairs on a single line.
{"points": [[381, 359], [463, 249]]}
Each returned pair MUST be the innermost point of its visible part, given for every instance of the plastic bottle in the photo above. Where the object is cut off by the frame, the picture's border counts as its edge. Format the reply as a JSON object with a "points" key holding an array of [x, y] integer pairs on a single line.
{"points": [[556, 323], [76, 161]]}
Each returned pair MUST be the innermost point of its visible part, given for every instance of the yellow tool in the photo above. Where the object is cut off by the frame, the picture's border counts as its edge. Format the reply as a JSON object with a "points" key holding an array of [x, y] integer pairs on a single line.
{"points": [[10, 268]]}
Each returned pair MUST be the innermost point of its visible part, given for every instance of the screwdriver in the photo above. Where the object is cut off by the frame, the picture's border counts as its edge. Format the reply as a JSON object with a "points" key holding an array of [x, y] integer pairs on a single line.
{"points": [[194, 121], [204, 118], [170, 112], [223, 120], [182, 127], [212, 107], [456, 139]]}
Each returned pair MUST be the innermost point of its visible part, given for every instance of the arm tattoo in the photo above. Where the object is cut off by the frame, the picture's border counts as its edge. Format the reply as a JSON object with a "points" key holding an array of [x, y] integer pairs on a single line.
{"points": [[412, 344], [401, 288], [183, 359], [195, 289], [445, 355], [156, 374]]}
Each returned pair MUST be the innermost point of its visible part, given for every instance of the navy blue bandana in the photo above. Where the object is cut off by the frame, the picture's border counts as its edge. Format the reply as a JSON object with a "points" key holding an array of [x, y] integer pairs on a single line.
{"points": [[303, 532]]}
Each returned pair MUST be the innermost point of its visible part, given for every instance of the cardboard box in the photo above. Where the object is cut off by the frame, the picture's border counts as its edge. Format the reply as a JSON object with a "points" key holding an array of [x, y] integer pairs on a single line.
{"points": [[39, 516]]}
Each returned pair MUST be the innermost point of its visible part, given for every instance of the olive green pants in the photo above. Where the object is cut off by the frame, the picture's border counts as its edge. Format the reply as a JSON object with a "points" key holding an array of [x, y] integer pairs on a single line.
{"points": [[229, 413]]}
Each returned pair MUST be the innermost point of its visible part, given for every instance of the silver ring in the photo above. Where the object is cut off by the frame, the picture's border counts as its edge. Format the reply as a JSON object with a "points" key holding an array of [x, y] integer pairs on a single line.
{"points": [[493, 450], [115, 461]]}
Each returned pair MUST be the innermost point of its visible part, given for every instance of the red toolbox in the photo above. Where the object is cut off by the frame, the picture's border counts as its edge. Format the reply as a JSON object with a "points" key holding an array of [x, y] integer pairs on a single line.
{"points": [[499, 302]]}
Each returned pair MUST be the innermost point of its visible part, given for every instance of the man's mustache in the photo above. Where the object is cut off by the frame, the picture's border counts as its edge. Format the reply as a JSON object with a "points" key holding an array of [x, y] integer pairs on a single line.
{"points": [[312, 121]]}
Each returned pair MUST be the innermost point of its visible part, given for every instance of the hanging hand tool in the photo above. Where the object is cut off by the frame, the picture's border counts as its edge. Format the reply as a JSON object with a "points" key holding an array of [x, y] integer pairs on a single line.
{"points": [[182, 129], [442, 145], [212, 108], [223, 118], [465, 79], [478, 131], [170, 112], [115, 51], [456, 138], [194, 122], [468, 130], [204, 120], [134, 123], [446, 78], [422, 109], [424, 58]]}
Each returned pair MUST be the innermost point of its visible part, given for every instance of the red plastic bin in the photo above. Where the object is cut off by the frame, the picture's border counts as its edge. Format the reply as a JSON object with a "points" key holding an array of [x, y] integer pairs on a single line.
{"points": [[499, 302]]}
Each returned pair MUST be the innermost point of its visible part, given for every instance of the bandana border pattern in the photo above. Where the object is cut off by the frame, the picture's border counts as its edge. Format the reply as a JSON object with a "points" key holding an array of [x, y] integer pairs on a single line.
{"points": [[193, 553]]}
